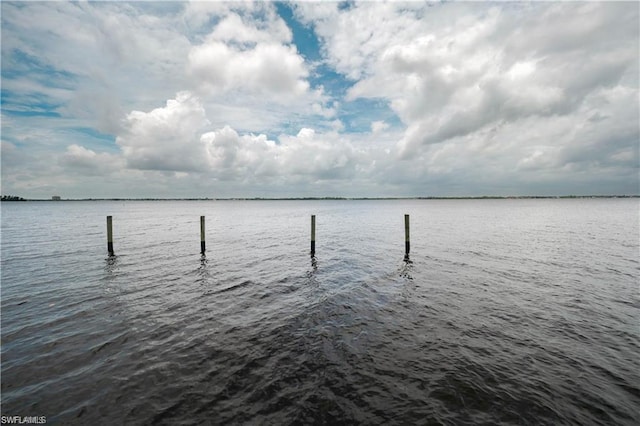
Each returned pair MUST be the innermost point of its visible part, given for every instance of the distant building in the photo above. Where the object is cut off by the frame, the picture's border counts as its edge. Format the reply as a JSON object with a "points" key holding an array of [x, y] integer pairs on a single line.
{"points": [[56, 198]]}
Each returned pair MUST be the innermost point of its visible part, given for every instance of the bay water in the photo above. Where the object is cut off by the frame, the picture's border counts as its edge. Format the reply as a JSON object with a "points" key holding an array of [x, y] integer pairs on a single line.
{"points": [[508, 311]]}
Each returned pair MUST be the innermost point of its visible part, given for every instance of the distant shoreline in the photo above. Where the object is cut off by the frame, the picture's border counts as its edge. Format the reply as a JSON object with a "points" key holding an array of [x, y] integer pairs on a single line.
{"points": [[485, 197]]}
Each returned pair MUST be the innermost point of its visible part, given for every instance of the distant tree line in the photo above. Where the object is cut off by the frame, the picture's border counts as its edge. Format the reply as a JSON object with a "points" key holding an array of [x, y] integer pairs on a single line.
{"points": [[12, 198]]}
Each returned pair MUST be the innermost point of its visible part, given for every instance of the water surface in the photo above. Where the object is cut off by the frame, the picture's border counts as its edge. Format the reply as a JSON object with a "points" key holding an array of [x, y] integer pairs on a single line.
{"points": [[508, 312]]}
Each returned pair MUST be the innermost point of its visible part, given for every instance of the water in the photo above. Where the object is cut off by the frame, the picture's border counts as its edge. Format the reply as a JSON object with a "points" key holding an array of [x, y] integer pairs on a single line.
{"points": [[509, 312]]}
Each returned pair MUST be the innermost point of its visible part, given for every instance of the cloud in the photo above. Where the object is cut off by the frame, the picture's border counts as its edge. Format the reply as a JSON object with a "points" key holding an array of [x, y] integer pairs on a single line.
{"points": [[234, 29], [399, 99], [468, 78], [166, 138], [175, 138], [87, 162], [442, 73], [318, 156], [378, 126], [84, 59], [249, 56], [267, 68]]}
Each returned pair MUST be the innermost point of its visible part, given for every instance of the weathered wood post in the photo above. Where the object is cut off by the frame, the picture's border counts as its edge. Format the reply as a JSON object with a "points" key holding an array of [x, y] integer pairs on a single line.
{"points": [[109, 236], [407, 245], [202, 240], [313, 235]]}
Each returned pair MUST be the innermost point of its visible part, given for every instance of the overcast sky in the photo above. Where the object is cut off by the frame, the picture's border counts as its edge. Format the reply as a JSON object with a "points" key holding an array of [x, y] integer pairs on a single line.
{"points": [[242, 99]]}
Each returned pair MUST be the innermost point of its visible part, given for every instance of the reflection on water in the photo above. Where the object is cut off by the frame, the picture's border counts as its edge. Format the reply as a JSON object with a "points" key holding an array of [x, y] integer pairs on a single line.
{"points": [[111, 262], [405, 269]]}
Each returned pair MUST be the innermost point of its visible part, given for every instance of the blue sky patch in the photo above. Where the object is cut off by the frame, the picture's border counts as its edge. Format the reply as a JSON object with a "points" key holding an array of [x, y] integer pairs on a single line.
{"points": [[28, 105], [93, 133], [303, 36], [17, 63], [358, 114], [355, 115]]}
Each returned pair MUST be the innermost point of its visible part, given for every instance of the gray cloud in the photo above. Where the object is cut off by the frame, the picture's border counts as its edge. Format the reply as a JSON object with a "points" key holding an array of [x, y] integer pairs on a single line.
{"points": [[499, 93]]}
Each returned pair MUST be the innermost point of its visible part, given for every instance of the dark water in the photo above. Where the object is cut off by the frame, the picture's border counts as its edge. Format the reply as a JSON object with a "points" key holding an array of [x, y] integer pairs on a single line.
{"points": [[509, 312]]}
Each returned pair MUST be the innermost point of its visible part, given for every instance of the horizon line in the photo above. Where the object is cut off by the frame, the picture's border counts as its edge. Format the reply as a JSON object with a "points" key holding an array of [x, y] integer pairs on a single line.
{"points": [[464, 197]]}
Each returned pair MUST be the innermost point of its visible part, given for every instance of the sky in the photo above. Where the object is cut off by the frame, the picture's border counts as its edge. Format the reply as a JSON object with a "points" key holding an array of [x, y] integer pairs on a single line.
{"points": [[319, 99]]}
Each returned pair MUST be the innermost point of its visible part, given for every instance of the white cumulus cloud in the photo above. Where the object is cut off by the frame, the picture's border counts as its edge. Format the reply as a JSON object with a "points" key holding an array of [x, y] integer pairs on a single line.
{"points": [[166, 138], [249, 56], [176, 138]]}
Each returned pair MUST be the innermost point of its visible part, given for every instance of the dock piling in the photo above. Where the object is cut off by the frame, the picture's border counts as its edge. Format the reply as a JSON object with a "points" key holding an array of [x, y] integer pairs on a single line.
{"points": [[110, 235], [202, 240], [407, 245], [313, 235]]}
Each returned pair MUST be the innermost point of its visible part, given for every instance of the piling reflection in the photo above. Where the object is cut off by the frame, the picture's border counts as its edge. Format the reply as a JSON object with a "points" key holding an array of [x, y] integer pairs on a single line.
{"points": [[112, 269], [314, 267], [406, 268], [111, 262], [203, 269]]}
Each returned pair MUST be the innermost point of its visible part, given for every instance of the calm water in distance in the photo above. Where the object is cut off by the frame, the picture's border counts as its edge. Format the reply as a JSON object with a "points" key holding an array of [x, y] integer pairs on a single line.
{"points": [[508, 312]]}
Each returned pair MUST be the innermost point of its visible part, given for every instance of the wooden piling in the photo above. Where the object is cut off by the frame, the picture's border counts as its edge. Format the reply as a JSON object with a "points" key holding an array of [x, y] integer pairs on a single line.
{"points": [[313, 235], [202, 240], [407, 245], [110, 236]]}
